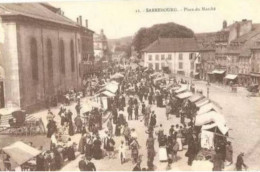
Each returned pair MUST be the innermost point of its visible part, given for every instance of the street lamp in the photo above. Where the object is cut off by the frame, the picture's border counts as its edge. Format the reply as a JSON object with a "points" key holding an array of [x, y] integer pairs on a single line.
{"points": [[208, 85]]}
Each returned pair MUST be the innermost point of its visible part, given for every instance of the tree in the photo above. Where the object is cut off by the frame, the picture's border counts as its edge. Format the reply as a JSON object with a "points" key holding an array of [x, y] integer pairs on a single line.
{"points": [[145, 36]]}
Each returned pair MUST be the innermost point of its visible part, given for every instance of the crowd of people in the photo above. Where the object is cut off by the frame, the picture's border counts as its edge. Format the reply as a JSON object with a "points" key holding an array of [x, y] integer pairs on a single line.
{"points": [[135, 99]]}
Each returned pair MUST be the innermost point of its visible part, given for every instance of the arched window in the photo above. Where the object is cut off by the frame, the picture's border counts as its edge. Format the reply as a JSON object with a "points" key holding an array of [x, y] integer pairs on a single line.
{"points": [[62, 57], [72, 62], [34, 59], [49, 57]]}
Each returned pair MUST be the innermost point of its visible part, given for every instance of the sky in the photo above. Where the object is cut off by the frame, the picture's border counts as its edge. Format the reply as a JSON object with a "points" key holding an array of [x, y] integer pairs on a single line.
{"points": [[119, 18]]}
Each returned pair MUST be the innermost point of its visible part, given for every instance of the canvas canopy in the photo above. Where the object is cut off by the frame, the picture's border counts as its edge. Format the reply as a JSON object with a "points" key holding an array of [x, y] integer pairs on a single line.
{"points": [[182, 89], [184, 95], [218, 71], [221, 127], [134, 65], [114, 82], [108, 94], [175, 88], [169, 86], [209, 117], [202, 102], [111, 87], [117, 75], [207, 108], [20, 152], [231, 77], [155, 74], [86, 108], [160, 78], [196, 97]]}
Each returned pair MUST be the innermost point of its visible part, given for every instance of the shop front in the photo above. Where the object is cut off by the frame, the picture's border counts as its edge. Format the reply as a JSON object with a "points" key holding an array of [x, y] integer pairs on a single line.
{"points": [[219, 75], [230, 79], [255, 78]]}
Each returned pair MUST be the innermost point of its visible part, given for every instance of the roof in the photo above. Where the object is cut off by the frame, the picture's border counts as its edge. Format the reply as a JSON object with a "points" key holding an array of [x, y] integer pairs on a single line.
{"points": [[206, 41], [35, 11], [50, 7], [173, 45], [243, 44]]}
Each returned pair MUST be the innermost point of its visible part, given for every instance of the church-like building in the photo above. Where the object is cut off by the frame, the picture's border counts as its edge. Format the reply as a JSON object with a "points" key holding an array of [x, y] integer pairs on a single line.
{"points": [[40, 55]]}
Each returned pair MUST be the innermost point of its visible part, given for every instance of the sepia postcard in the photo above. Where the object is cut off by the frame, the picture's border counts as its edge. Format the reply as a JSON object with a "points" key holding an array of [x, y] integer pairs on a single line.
{"points": [[130, 85]]}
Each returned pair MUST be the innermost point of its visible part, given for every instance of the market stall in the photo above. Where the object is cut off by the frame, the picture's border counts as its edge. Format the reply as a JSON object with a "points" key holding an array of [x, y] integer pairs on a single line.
{"points": [[21, 156], [117, 76], [182, 89], [202, 102], [207, 108], [184, 95], [195, 98]]}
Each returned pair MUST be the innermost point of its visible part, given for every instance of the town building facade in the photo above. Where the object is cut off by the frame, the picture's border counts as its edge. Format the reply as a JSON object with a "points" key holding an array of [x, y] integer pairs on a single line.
{"points": [[226, 56], [180, 55], [40, 54]]}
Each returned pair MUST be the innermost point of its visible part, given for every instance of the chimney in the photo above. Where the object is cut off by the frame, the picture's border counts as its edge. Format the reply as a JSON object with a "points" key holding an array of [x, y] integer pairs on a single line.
{"points": [[80, 20], [77, 20], [86, 23], [238, 29], [224, 24]]}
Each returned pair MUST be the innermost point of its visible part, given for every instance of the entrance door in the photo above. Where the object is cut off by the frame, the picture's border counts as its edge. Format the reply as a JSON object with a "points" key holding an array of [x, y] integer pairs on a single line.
{"points": [[2, 101]]}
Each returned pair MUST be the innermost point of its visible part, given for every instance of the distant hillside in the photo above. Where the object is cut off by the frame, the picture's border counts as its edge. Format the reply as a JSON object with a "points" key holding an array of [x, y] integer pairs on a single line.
{"points": [[121, 41], [145, 36]]}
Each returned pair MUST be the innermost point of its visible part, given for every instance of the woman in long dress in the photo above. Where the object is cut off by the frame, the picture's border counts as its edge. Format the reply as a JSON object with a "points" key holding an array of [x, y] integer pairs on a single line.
{"points": [[179, 136], [71, 128], [97, 152], [162, 149], [82, 144], [89, 147], [118, 130]]}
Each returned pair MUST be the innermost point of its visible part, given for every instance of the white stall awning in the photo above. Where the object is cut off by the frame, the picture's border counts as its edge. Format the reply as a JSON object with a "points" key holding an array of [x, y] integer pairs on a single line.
{"points": [[231, 76], [207, 108], [218, 71], [184, 95], [21, 152]]}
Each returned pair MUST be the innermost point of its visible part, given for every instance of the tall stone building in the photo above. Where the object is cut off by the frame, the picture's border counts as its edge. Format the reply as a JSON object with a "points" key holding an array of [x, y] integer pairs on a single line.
{"points": [[226, 55], [101, 49], [40, 53]]}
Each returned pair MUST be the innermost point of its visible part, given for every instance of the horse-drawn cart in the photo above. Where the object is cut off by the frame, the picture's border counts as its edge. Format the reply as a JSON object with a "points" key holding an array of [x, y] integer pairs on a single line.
{"points": [[18, 122]]}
